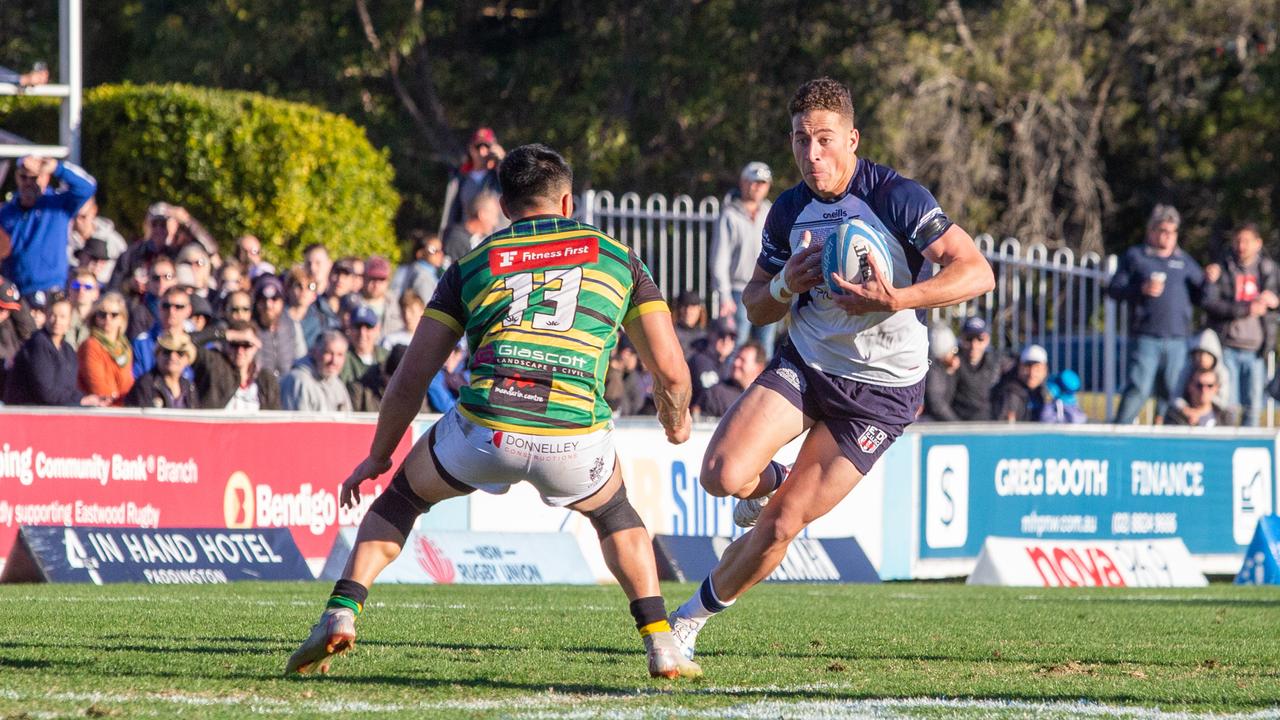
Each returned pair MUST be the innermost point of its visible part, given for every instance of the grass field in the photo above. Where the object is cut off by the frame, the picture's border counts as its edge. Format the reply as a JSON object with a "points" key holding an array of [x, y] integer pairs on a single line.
{"points": [[806, 651]]}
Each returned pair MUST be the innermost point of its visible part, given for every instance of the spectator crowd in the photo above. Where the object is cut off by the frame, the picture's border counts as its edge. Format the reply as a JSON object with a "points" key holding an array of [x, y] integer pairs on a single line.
{"points": [[168, 320]]}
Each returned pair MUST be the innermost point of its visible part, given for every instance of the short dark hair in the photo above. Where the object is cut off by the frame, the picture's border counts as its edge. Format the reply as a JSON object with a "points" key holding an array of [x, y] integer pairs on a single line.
{"points": [[824, 93], [532, 174], [1247, 226], [243, 326]]}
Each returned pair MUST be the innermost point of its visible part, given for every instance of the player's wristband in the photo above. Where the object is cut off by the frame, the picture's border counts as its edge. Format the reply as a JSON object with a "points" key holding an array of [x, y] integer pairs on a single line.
{"points": [[779, 290]]}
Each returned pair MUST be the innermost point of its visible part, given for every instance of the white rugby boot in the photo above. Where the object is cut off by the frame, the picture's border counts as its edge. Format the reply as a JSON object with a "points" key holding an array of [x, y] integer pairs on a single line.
{"points": [[666, 659], [684, 631], [334, 634], [747, 512]]}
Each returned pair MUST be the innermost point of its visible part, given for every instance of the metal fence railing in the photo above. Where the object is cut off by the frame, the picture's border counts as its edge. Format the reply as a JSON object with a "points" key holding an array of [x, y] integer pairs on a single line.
{"points": [[1052, 297]]}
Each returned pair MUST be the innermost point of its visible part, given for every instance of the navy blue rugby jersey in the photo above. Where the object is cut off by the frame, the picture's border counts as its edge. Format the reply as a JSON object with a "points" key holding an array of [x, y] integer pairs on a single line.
{"points": [[883, 348]]}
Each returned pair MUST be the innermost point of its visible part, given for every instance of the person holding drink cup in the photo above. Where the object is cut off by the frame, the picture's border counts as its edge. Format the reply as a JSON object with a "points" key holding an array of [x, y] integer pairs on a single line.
{"points": [[1161, 284]]}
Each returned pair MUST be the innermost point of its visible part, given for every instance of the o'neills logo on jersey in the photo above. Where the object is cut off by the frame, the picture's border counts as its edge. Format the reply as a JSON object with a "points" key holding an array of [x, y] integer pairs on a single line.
{"points": [[578, 251]]}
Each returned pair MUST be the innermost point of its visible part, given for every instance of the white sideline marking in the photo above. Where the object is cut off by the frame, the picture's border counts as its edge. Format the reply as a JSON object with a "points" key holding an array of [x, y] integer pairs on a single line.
{"points": [[552, 706]]}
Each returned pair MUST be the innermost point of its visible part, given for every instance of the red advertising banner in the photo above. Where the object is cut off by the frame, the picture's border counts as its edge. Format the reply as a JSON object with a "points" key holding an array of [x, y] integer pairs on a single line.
{"points": [[133, 471]]}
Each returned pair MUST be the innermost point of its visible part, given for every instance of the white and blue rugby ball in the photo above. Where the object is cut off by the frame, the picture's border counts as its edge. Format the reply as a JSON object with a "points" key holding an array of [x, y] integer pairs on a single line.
{"points": [[846, 252]]}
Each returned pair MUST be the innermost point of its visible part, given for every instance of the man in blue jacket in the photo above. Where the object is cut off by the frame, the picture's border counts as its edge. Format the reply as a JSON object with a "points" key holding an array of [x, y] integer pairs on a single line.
{"points": [[38, 221]]}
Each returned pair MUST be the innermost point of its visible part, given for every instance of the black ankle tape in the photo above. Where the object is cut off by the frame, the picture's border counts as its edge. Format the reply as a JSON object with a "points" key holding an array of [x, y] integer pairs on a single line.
{"points": [[647, 610], [351, 590]]}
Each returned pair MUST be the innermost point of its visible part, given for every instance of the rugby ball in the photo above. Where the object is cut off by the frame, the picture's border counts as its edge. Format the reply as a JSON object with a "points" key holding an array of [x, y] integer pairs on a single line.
{"points": [[846, 252]]}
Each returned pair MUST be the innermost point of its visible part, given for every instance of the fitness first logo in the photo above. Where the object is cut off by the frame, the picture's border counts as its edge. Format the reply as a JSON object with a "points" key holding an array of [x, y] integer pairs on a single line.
{"points": [[577, 251], [1250, 491], [946, 501]]}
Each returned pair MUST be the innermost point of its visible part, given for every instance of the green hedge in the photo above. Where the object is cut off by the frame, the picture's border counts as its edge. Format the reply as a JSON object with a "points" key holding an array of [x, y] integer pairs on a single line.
{"points": [[240, 162]]}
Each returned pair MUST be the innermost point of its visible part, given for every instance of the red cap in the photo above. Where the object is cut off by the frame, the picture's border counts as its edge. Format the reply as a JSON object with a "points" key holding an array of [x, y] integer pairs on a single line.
{"points": [[9, 296], [377, 268], [483, 136]]}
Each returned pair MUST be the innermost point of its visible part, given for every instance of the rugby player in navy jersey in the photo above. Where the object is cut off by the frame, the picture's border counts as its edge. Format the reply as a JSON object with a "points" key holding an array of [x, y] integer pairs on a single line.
{"points": [[852, 373]]}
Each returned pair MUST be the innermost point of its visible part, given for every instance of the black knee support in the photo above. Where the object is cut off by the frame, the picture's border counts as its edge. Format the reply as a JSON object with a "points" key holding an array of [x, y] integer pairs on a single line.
{"points": [[399, 504], [615, 515]]}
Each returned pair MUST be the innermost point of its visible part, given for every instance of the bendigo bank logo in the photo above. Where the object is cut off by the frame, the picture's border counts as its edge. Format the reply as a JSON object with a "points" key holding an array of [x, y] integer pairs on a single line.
{"points": [[237, 502], [434, 562]]}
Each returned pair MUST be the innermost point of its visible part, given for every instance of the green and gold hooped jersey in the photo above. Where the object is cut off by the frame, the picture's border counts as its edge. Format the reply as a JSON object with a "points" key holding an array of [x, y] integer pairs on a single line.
{"points": [[540, 304]]}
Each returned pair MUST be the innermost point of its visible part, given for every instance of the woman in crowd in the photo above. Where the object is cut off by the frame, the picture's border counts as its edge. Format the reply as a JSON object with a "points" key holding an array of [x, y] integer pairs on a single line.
{"points": [[106, 359], [44, 370], [163, 385]]}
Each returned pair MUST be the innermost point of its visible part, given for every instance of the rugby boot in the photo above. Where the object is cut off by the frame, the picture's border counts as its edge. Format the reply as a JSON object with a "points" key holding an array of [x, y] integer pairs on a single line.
{"points": [[334, 634], [684, 632], [666, 658], [747, 512]]}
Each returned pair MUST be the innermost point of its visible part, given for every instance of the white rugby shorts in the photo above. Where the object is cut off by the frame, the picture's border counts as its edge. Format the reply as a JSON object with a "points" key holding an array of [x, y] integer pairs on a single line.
{"points": [[564, 468]]}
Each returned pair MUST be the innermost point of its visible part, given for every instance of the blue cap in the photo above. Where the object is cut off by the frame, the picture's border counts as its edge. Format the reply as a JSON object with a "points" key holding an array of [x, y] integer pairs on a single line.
{"points": [[364, 315], [974, 326]]}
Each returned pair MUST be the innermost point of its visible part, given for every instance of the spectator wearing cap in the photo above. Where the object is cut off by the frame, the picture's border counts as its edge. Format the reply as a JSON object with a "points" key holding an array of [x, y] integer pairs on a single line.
{"points": [[748, 362], [228, 376], [96, 258], [161, 237], [940, 381], [202, 318], [38, 306], [411, 308], [373, 295], [275, 330], [365, 360], [108, 243], [442, 393], [106, 358], [83, 291], [483, 216], [314, 385], [1020, 394], [1161, 284], [330, 307], [166, 384], [978, 372], [300, 288], [143, 310], [478, 173], [37, 222], [317, 261], [736, 246], [690, 322], [16, 327], [249, 254], [175, 310], [1062, 406], [44, 370], [714, 362]]}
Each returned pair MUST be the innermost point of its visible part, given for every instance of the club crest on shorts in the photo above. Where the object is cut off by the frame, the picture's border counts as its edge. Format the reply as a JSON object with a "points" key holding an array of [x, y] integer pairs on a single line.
{"points": [[871, 439], [788, 372]]}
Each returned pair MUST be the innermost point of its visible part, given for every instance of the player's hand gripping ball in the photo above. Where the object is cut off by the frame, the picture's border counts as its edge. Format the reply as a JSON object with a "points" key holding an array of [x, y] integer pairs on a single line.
{"points": [[846, 251]]}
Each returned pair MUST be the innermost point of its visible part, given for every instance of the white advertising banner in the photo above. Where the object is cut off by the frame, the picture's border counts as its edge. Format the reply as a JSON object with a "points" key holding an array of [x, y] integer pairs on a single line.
{"points": [[1016, 562]]}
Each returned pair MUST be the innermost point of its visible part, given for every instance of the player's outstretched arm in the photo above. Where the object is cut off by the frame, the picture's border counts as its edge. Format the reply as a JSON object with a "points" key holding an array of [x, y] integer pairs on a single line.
{"points": [[655, 339], [965, 274], [427, 352]]}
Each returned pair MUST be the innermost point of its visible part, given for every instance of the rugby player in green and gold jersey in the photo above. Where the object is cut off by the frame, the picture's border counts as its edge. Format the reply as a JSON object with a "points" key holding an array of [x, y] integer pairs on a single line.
{"points": [[540, 304]]}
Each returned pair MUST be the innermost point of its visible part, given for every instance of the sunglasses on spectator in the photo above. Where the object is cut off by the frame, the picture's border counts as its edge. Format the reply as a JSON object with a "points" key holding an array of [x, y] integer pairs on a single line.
{"points": [[109, 313], [171, 353], [77, 285], [162, 277], [1205, 386], [174, 306], [240, 345]]}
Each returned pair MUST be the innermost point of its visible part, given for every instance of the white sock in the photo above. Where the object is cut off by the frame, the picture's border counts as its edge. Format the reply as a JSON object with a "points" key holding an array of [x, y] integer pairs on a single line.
{"points": [[703, 604]]}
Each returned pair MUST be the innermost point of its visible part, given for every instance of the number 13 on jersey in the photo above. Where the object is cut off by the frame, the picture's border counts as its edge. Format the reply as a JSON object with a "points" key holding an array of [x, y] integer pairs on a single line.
{"points": [[559, 298]]}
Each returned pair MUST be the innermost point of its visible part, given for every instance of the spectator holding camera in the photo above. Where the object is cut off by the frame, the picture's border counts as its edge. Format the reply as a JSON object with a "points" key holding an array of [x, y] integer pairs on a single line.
{"points": [[37, 222], [228, 376], [1161, 284], [477, 174]]}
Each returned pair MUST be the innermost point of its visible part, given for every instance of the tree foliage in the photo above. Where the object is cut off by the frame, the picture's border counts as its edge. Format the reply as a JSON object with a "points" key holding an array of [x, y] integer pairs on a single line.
{"points": [[1061, 122]]}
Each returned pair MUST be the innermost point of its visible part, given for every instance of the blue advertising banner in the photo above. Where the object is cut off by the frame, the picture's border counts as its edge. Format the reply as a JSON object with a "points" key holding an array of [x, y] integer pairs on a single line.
{"points": [[111, 554], [1209, 491], [817, 560], [1262, 560]]}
